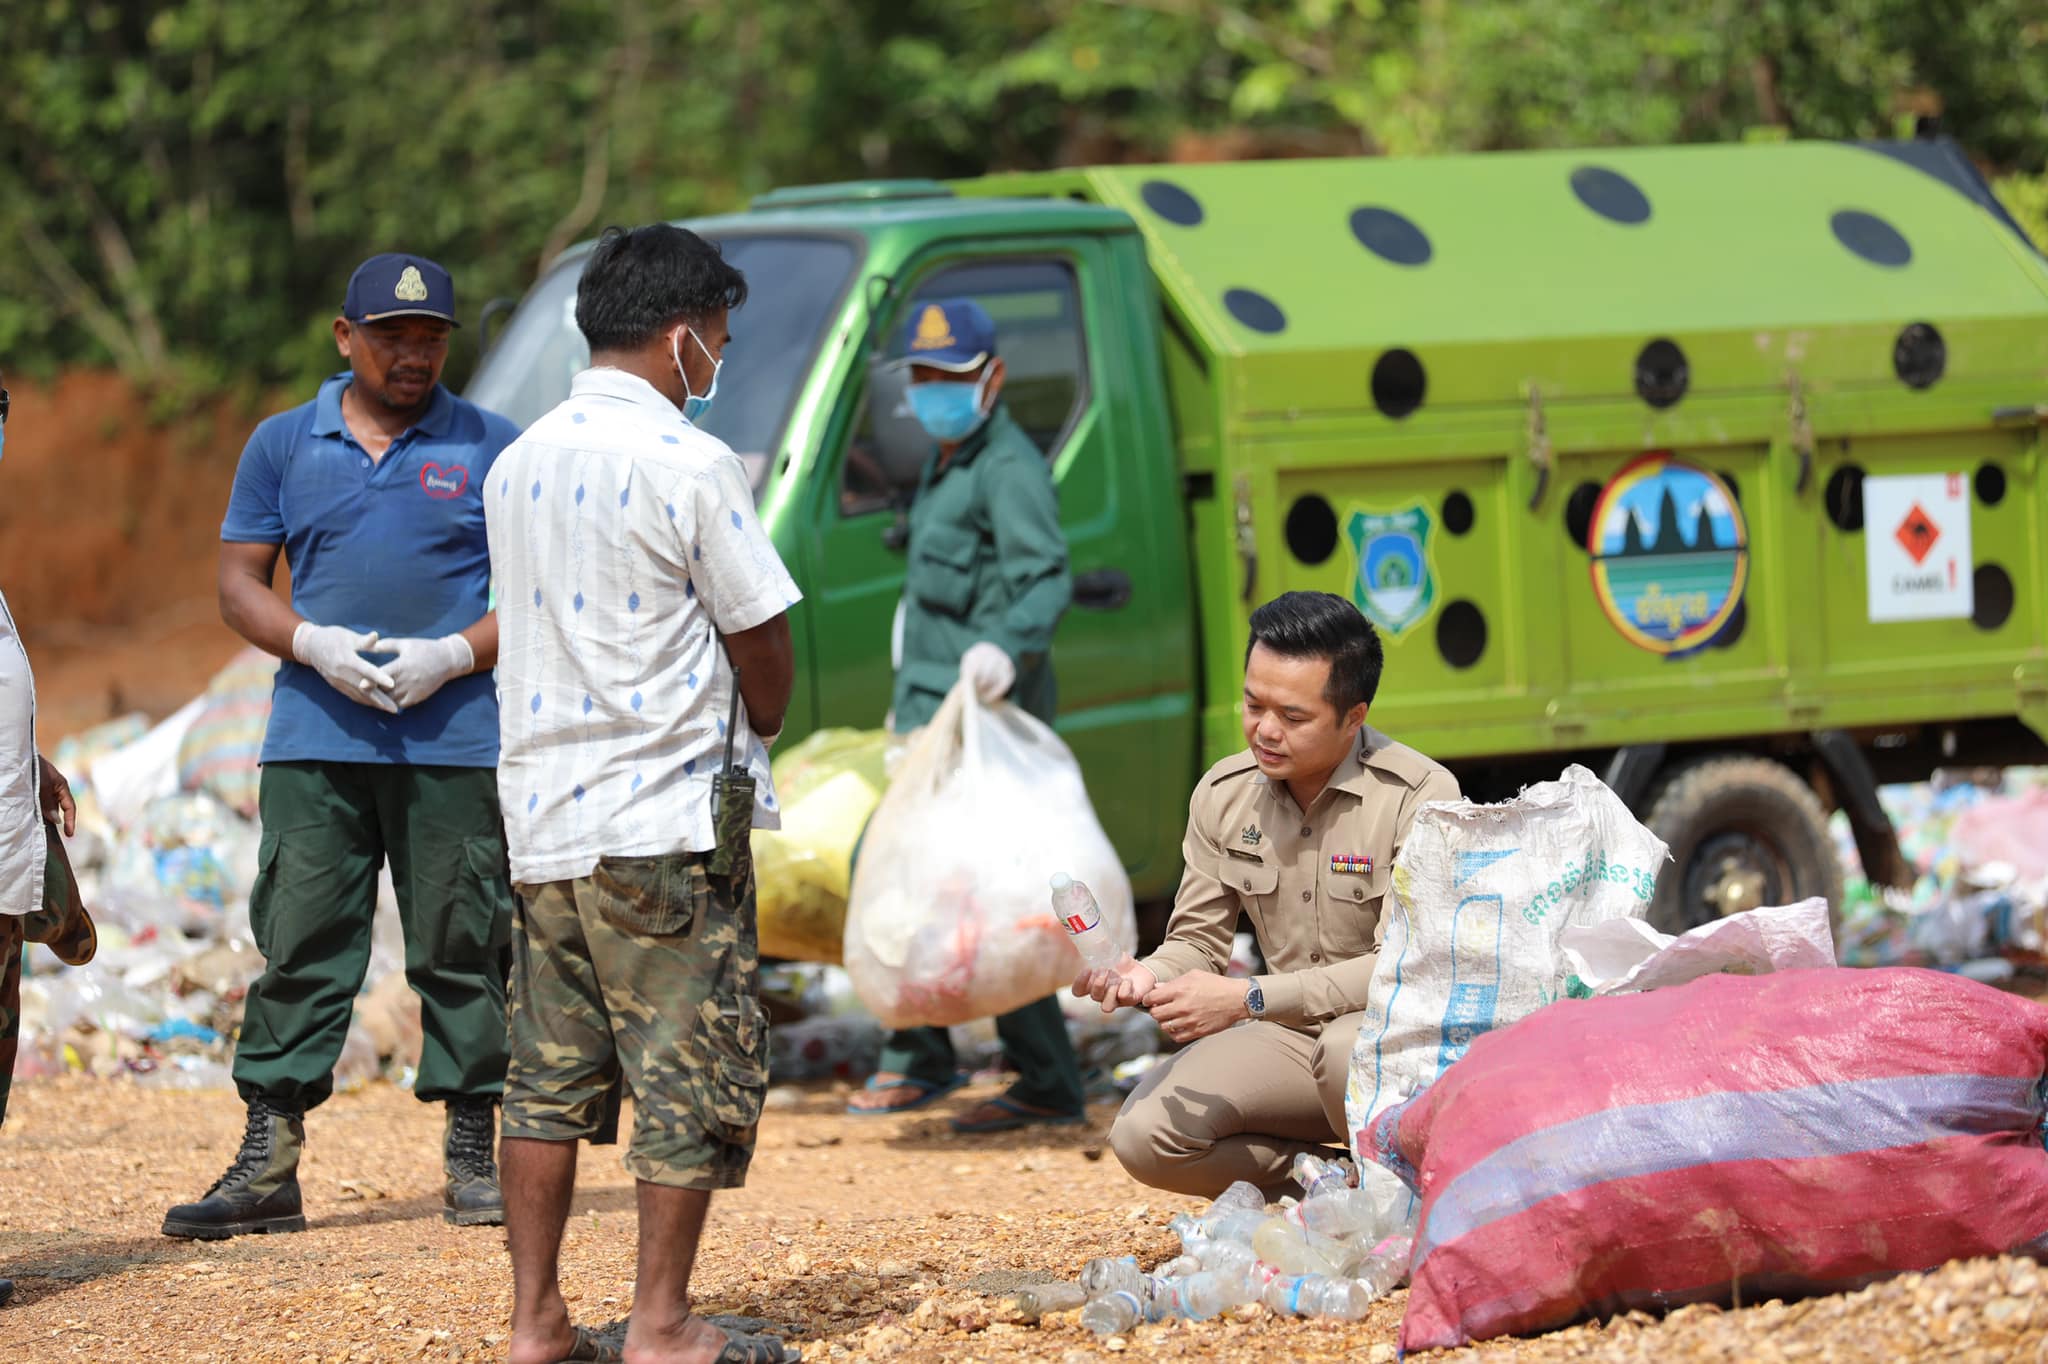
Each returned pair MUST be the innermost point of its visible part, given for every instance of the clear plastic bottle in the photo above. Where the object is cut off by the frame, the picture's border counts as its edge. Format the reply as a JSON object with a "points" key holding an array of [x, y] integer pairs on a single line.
{"points": [[1112, 1274], [1240, 1225], [1317, 1295], [1040, 1298], [1114, 1313], [1075, 906], [1387, 1265], [1339, 1212], [1243, 1196], [1318, 1176], [1201, 1296], [1290, 1248]]}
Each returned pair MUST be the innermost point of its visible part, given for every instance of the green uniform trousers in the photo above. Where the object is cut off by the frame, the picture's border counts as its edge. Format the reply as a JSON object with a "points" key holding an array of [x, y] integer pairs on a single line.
{"points": [[327, 829], [1034, 1039]]}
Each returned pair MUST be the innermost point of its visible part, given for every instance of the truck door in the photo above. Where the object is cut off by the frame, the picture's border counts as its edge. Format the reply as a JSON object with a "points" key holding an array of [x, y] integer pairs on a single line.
{"points": [[1079, 378]]}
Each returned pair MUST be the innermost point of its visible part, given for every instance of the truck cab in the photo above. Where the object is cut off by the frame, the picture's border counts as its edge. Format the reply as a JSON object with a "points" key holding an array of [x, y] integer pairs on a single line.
{"points": [[1716, 468]]}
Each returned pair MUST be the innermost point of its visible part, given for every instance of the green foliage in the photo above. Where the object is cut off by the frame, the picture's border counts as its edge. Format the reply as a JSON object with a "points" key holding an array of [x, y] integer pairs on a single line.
{"points": [[185, 185]]}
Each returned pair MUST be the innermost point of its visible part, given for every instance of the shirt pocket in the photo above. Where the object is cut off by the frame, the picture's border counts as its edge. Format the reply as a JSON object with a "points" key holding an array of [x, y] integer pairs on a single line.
{"points": [[1256, 880], [1354, 907], [942, 561]]}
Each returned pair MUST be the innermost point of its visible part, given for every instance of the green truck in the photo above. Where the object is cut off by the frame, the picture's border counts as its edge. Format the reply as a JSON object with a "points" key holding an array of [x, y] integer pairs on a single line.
{"points": [[1715, 468]]}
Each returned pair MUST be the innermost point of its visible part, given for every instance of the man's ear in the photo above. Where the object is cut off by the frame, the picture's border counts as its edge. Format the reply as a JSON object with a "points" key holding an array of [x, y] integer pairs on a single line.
{"points": [[994, 379], [342, 332], [1354, 720]]}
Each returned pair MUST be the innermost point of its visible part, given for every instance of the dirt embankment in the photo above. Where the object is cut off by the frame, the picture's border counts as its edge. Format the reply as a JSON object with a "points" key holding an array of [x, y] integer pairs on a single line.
{"points": [[108, 523]]}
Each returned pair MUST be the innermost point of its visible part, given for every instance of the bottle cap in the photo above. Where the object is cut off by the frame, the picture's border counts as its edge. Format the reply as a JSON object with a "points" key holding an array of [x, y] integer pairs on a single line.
{"points": [[1060, 881]]}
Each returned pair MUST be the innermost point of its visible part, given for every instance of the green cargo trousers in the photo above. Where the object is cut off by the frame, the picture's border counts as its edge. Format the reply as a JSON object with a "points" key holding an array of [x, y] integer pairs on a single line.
{"points": [[1034, 1039], [327, 829]]}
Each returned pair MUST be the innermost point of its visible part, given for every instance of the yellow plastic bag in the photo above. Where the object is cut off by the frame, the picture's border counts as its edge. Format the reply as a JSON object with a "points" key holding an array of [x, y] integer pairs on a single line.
{"points": [[827, 785]]}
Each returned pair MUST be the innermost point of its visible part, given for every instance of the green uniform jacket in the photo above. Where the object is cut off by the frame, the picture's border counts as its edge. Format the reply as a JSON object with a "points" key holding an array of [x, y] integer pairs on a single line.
{"points": [[987, 562]]}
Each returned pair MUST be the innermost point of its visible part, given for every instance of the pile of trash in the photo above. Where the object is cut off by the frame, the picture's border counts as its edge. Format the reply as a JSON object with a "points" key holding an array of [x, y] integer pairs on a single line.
{"points": [[1331, 1253], [165, 855], [1979, 906]]}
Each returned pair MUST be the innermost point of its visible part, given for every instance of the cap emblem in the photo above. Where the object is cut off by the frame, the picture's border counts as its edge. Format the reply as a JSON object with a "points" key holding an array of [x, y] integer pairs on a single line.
{"points": [[934, 332], [410, 287]]}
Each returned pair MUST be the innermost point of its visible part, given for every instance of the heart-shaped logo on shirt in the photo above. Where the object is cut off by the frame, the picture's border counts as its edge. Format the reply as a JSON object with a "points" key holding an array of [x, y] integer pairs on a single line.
{"points": [[444, 481]]}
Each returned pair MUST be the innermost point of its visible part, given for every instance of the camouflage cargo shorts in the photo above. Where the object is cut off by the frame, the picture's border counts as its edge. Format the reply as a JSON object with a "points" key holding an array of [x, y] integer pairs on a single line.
{"points": [[646, 970], [62, 923]]}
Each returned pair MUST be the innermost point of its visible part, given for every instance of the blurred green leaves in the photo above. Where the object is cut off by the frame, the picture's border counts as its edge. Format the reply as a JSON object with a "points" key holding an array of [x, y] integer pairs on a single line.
{"points": [[184, 186]]}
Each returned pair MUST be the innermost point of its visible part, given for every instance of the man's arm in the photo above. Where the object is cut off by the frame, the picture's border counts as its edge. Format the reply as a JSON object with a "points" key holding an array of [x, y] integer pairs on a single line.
{"points": [[1204, 921], [745, 590], [766, 658], [245, 580], [482, 639], [1031, 554], [1321, 993]]}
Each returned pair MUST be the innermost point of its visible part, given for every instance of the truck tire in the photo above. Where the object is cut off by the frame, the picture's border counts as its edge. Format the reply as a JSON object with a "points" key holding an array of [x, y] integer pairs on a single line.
{"points": [[1743, 832]]}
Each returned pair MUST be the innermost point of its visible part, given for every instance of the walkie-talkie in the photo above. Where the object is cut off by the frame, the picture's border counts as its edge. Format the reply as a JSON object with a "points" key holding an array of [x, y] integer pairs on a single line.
{"points": [[732, 800]]}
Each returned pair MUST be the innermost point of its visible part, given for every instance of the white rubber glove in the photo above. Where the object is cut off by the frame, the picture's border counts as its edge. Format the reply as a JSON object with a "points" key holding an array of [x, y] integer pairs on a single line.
{"points": [[336, 653], [987, 668], [423, 666]]}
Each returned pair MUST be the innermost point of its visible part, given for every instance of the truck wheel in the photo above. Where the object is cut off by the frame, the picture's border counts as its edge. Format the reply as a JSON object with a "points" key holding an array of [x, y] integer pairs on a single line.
{"points": [[1743, 832]]}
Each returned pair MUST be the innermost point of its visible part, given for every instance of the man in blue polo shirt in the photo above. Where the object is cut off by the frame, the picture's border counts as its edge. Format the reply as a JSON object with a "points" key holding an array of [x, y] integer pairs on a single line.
{"points": [[382, 746]]}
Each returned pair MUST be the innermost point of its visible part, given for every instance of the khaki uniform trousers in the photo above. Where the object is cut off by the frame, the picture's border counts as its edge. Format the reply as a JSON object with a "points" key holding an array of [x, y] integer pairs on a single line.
{"points": [[1239, 1105]]}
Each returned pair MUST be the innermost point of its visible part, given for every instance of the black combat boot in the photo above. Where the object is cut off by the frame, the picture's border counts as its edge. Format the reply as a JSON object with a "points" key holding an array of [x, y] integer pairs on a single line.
{"points": [[472, 1197], [260, 1191]]}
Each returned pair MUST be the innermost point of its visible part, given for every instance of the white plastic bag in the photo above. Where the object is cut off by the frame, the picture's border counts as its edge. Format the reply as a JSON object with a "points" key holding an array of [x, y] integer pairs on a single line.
{"points": [[1482, 894], [1627, 954], [950, 915]]}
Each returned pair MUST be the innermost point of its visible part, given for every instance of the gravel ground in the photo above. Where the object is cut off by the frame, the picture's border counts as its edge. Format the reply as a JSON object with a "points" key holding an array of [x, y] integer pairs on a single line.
{"points": [[869, 1238]]}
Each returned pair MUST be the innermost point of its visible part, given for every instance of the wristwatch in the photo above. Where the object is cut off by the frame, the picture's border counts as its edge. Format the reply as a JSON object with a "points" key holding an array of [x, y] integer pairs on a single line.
{"points": [[1255, 1000]]}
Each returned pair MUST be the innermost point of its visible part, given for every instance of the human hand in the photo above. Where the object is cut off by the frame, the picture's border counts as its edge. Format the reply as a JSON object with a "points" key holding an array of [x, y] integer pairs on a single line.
{"points": [[55, 795], [988, 669], [422, 666], [1198, 1004], [336, 653], [1113, 988]]}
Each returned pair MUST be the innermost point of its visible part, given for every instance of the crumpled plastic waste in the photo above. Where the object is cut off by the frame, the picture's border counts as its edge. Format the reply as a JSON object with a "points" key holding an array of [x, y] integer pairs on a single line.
{"points": [[1980, 845]]}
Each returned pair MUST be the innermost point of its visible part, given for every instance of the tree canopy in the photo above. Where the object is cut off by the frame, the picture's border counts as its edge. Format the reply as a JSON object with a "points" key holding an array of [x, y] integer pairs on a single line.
{"points": [[185, 185]]}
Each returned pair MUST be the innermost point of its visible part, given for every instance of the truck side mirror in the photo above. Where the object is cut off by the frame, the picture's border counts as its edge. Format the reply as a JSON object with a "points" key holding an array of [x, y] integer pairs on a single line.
{"points": [[901, 444]]}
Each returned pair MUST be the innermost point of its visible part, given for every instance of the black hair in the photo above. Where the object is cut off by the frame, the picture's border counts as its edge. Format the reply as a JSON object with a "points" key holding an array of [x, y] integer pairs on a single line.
{"points": [[641, 281], [1322, 625]]}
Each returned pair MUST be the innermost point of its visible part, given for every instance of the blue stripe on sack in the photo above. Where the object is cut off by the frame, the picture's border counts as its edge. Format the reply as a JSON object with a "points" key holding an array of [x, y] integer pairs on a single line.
{"points": [[1712, 1129], [1379, 1065]]}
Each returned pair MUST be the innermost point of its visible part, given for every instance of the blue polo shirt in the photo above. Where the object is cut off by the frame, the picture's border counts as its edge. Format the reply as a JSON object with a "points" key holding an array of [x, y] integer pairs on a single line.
{"points": [[394, 545]]}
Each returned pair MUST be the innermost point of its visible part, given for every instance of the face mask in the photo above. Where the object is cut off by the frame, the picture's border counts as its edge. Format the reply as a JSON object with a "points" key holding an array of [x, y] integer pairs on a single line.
{"points": [[693, 405], [949, 410]]}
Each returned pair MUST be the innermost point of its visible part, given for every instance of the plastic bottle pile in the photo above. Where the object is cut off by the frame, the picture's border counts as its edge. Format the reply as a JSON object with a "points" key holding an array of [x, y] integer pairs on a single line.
{"points": [[1979, 905], [1331, 1253]]}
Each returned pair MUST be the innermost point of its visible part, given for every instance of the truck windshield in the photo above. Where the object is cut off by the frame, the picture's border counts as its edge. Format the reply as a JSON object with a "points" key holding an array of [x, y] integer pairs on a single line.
{"points": [[795, 284]]}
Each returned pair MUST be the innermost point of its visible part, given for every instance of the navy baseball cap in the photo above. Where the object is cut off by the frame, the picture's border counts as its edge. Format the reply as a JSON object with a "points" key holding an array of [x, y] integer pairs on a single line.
{"points": [[952, 334], [398, 285]]}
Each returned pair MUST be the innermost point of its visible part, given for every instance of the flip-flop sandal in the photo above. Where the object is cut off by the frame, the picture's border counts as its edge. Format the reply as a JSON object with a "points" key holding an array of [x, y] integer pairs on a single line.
{"points": [[926, 1093], [6, 1291], [741, 1348], [591, 1348], [1016, 1115]]}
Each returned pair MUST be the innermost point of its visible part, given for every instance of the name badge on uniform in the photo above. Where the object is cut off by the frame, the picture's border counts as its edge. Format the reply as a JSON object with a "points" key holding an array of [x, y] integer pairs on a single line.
{"points": [[1350, 864]]}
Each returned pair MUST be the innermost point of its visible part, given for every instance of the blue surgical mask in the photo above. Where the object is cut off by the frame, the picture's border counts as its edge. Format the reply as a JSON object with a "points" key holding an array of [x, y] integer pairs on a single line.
{"points": [[949, 410], [694, 406]]}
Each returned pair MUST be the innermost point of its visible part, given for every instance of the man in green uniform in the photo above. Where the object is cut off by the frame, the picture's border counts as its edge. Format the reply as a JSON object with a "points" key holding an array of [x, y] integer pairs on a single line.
{"points": [[986, 584]]}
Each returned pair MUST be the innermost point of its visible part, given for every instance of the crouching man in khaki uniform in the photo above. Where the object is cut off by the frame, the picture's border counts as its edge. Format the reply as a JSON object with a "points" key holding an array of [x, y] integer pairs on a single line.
{"points": [[1299, 832]]}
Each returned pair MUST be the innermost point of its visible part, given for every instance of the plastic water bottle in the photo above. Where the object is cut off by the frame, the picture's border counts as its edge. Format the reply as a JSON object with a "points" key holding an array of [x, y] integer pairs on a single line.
{"points": [[1118, 1274], [1075, 905], [1387, 1265], [1201, 1296], [1318, 1295], [1040, 1298], [1292, 1249], [1239, 1225], [1114, 1313], [1243, 1196], [1318, 1176]]}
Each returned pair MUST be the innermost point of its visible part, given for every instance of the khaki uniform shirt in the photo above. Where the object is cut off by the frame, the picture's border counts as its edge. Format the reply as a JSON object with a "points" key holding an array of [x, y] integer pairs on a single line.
{"points": [[1312, 882]]}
